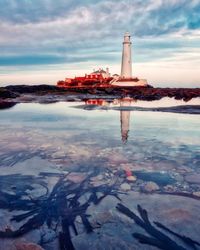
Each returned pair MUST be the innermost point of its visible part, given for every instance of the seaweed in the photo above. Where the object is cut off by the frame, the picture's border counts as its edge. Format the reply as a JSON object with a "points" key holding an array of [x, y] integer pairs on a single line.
{"points": [[59, 207], [183, 194], [156, 237], [185, 239], [10, 159]]}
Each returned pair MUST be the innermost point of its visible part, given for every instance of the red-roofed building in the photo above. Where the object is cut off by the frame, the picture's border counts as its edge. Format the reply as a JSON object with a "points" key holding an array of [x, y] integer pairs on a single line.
{"points": [[99, 76]]}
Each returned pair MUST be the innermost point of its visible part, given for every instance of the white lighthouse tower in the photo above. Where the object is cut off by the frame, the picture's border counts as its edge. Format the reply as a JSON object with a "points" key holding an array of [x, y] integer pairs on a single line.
{"points": [[126, 78], [126, 67]]}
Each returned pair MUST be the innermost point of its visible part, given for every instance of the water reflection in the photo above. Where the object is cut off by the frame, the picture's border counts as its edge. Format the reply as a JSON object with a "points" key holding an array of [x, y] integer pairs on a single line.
{"points": [[125, 118], [61, 180], [124, 104]]}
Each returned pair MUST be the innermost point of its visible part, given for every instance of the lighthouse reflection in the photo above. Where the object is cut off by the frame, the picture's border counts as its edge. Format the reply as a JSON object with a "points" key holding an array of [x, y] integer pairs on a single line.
{"points": [[125, 118], [125, 114]]}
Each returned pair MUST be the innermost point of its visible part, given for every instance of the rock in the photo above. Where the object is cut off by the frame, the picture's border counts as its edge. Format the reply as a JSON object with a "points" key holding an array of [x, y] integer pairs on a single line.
{"points": [[184, 169], [125, 187], [101, 218], [76, 177], [117, 158], [169, 188], [6, 105], [177, 214], [131, 178], [7, 94], [98, 183], [59, 154], [196, 193], [97, 178], [151, 186], [193, 178], [46, 145], [27, 246], [30, 89], [179, 178], [125, 166], [161, 178]]}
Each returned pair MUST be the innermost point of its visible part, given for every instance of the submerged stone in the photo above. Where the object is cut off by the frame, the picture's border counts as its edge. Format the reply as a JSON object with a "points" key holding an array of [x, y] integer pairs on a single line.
{"points": [[96, 178], [193, 178], [151, 186], [101, 218], [76, 177], [131, 178], [59, 154], [196, 193], [98, 183], [27, 246], [157, 177], [169, 188], [125, 187]]}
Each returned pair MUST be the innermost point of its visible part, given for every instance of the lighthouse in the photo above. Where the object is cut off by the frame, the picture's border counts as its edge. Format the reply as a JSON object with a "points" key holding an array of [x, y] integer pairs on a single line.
{"points": [[126, 79], [126, 66]]}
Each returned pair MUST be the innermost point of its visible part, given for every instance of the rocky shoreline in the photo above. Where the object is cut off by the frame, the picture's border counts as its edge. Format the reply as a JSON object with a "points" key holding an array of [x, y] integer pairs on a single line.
{"points": [[141, 93], [44, 94]]}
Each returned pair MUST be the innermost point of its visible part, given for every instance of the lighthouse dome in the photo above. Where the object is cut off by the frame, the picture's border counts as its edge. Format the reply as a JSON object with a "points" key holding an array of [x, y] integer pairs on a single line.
{"points": [[127, 34]]}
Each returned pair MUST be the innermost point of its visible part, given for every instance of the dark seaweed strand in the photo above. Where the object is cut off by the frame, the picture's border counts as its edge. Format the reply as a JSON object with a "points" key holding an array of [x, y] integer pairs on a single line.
{"points": [[32, 224], [53, 207], [159, 239], [188, 195], [65, 241], [185, 239]]}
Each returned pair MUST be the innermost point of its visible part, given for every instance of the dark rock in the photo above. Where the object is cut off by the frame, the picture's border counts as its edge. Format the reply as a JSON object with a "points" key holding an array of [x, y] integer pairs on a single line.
{"points": [[33, 89], [4, 94], [6, 105], [141, 93]]}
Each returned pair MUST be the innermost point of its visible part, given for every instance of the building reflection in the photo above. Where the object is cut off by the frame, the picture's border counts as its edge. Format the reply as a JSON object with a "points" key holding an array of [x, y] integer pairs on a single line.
{"points": [[125, 113], [125, 118]]}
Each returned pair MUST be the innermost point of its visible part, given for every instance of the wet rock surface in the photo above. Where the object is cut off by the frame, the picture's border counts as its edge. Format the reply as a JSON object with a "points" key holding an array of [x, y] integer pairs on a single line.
{"points": [[47, 94], [141, 93], [125, 187], [150, 187], [193, 178], [27, 246]]}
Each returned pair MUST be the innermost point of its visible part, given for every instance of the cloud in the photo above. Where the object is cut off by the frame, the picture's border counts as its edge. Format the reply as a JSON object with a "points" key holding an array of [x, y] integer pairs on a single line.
{"points": [[47, 32], [104, 19]]}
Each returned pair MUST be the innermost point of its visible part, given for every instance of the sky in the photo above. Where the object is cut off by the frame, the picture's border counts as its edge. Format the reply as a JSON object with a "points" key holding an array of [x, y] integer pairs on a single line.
{"points": [[43, 41]]}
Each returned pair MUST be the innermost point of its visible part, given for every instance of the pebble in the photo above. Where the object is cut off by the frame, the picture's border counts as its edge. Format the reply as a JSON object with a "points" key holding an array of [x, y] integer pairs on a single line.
{"points": [[196, 193], [131, 178], [125, 187], [179, 178], [193, 178], [151, 186], [76, 177], [101, 218], [58, 154], [169, 188], [177, 214], [184, 169], [97, 178], [27, 246], [98, 183]]}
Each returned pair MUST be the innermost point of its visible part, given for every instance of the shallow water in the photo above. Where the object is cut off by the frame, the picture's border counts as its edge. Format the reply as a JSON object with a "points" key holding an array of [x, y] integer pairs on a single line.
{"points": [[93, 150]]}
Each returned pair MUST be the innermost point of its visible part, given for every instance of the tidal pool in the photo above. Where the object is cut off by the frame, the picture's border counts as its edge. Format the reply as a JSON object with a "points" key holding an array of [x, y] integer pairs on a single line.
{"points": [[73, 177]]}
